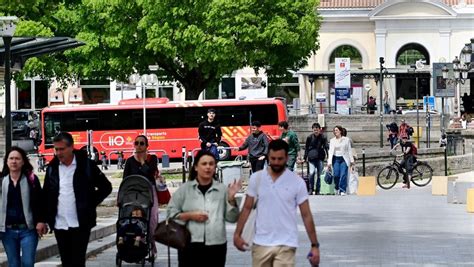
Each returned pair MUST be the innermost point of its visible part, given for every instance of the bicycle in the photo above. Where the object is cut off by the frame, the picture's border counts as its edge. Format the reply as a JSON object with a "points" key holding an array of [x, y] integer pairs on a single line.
{"points": [[388, 176]]}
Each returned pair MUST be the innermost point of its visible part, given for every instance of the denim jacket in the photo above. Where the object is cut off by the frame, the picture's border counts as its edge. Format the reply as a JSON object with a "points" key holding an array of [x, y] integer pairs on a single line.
{"points": [[189, 198]]}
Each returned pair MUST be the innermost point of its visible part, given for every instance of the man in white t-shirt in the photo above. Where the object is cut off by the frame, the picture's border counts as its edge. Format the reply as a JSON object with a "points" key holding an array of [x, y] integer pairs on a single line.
{"points": [[280, 193]]}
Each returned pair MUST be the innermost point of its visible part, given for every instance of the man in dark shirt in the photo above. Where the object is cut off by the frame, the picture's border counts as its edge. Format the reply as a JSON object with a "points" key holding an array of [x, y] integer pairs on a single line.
{"points": [[315, 152], [409, 159], [210, 133], [257, 143]]}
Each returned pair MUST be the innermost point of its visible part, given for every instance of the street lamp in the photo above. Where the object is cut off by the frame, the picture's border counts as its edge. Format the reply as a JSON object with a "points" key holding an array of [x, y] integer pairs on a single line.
{"points": [[461, 67], [381, 61], [6, 31], [144, 80], [311, 82]]}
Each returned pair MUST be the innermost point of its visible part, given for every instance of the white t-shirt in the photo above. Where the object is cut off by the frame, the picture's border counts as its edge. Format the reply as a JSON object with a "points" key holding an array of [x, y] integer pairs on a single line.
{"points": [[277, 207]]}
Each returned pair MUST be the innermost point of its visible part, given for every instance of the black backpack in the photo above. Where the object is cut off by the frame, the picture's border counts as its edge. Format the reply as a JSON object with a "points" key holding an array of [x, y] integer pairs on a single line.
{"points": [[410, 131]]}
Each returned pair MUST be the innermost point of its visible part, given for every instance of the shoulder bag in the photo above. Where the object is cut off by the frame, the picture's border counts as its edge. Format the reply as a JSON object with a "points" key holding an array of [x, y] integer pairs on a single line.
{"points": [[248, 232], [172, 234]]}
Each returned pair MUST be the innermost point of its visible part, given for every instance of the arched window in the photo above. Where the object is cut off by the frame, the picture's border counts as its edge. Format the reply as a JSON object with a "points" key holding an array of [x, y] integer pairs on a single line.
{"points": [[346, 51], [410, 53]]}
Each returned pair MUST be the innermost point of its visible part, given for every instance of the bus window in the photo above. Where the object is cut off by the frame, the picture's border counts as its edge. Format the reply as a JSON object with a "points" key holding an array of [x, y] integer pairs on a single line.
{"points": [[87, 121], [52, 126]]}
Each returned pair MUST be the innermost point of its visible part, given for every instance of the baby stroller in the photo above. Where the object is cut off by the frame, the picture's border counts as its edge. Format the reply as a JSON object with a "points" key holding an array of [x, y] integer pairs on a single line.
{"points": [[133, 234]]}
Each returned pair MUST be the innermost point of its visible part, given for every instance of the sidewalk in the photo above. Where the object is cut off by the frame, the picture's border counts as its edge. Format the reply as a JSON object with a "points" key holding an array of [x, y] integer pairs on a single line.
{"points": [[397, 227]]}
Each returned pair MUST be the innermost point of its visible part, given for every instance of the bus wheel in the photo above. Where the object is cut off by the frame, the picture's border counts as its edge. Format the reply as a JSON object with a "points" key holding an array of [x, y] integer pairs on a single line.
{"points": [[224, 151]]}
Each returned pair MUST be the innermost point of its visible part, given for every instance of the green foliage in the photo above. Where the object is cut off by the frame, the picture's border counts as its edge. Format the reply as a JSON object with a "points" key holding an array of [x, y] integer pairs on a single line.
{"points": [[195, 42]]}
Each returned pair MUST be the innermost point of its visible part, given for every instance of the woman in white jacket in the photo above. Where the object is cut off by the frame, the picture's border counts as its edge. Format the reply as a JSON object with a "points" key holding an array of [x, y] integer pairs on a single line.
{"points": [[340, 159]]}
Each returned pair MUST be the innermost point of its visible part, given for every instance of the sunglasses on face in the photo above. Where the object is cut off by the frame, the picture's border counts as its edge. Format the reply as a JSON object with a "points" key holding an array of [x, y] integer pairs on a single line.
{"points": [[141, 143]]}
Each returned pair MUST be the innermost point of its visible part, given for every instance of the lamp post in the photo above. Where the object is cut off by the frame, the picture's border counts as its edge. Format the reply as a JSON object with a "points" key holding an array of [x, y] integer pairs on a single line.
{"points": [[6, 31], [461, 67], [381, 61], [144, 80], [311, 82]]}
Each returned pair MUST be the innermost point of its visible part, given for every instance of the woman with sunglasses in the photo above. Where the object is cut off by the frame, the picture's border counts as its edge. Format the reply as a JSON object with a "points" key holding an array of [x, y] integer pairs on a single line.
{"points": [[146, 165]]}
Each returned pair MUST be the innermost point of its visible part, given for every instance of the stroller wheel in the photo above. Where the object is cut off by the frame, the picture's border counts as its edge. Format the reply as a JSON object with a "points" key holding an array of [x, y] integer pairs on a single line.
{"points": [[118, 261]]}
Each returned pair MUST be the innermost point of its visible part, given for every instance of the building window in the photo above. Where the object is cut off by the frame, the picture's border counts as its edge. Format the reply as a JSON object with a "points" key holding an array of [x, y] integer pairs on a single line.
{"points": [[347, 51], [288, 89], [408, 55], [228, 88], [41, 94], [24, 94], [166, 91], [95, 91]]}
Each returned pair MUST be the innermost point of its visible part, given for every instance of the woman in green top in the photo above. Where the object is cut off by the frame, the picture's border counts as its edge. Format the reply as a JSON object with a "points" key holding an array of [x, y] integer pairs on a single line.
{"points": [[204, 205]]}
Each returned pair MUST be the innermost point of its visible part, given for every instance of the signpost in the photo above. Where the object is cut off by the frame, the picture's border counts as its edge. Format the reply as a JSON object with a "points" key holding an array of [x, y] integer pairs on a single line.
{"points": [[321, 98], [442, 87], [342, 84]]}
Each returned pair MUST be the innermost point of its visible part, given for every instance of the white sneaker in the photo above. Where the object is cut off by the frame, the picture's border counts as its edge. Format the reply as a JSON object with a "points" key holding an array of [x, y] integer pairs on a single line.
{"points": [[343, 193]]}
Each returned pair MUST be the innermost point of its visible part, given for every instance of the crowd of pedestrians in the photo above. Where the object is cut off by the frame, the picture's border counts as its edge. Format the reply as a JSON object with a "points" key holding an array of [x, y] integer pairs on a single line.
{"points": [[74, 186]]}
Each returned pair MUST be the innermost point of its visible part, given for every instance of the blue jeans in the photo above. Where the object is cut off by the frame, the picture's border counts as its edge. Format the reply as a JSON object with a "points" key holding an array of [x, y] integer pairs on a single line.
{"points": [[214, 151], [315, 168], [23, 240], [386, 109], [340, 170]]}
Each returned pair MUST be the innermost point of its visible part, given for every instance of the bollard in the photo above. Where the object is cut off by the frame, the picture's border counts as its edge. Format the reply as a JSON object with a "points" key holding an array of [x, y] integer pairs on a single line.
{"points": [[366, 186], [445, 161], [183, 163], [363, 161], [470, 200], [439, 186]]}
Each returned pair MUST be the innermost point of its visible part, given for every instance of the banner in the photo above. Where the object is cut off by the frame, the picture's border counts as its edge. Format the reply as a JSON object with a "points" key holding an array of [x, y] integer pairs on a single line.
{"points": [[342, 76], [342, 96], [442, 87]]}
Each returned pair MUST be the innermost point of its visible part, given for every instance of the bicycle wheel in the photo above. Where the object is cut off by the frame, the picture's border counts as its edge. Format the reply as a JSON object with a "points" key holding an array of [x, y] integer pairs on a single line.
{"points": [[422, 174], [387, 177]]}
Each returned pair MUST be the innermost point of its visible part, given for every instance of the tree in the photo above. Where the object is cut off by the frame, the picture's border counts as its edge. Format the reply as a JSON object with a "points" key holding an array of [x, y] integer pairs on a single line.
{"points": [[195, 42]]}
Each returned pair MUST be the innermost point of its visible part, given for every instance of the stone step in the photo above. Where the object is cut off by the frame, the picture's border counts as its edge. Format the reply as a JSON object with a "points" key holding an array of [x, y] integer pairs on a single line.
{"points": [[48, 248]]}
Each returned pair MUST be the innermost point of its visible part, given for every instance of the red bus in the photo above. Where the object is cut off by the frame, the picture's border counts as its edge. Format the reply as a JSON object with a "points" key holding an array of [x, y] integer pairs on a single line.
{"points": [[170, 125]]}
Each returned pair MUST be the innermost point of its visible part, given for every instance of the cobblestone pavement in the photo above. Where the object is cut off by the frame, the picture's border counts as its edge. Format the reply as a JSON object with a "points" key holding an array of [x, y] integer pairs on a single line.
{"points": [[398, 227]]}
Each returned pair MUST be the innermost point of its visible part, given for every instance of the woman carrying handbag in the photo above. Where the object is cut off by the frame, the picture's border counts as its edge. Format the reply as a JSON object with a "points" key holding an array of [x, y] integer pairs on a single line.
{"points": [[340, 159], [204, 205]]}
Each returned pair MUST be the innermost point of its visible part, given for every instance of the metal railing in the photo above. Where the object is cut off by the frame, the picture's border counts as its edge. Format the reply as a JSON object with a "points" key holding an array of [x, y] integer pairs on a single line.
{"points": [[152, 152]]}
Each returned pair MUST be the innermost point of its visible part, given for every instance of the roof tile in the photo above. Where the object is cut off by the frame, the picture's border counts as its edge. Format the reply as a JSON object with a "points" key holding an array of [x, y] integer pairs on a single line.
{"points": [[372, 3]]}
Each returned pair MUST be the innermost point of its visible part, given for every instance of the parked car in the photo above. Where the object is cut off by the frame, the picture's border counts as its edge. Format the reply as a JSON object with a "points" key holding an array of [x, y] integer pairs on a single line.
{"points": [[20, 128]]}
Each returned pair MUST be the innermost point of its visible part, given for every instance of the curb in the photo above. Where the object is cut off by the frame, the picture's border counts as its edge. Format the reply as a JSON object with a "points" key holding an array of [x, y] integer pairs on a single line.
{"points": [[48, 248], [94, 248]]}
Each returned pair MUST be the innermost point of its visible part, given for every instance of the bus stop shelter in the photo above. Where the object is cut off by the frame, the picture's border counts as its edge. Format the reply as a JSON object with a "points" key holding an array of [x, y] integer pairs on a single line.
{"points": [[14, 52]]}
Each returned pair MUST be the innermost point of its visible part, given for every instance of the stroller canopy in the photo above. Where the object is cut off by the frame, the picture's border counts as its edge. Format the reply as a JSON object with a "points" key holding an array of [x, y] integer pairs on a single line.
{"points": [[136, 190]]}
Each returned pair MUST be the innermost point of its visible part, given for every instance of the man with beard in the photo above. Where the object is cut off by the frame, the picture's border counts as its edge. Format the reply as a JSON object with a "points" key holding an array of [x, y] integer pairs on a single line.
{"points": [[257, 143], [279, 192]]}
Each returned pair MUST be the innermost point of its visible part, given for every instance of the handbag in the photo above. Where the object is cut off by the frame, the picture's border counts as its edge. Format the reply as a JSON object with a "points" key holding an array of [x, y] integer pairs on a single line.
{"points": [[172, 234], [248, 232], [163, 193], [328, 177]]}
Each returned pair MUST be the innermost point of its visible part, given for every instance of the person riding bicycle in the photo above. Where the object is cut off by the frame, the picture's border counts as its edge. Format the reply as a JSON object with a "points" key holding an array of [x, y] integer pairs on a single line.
{"points": [[409, 159]]}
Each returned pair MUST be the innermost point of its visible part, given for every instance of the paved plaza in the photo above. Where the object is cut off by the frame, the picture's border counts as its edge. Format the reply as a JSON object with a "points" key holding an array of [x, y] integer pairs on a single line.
{"points": [[397, 227]]}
